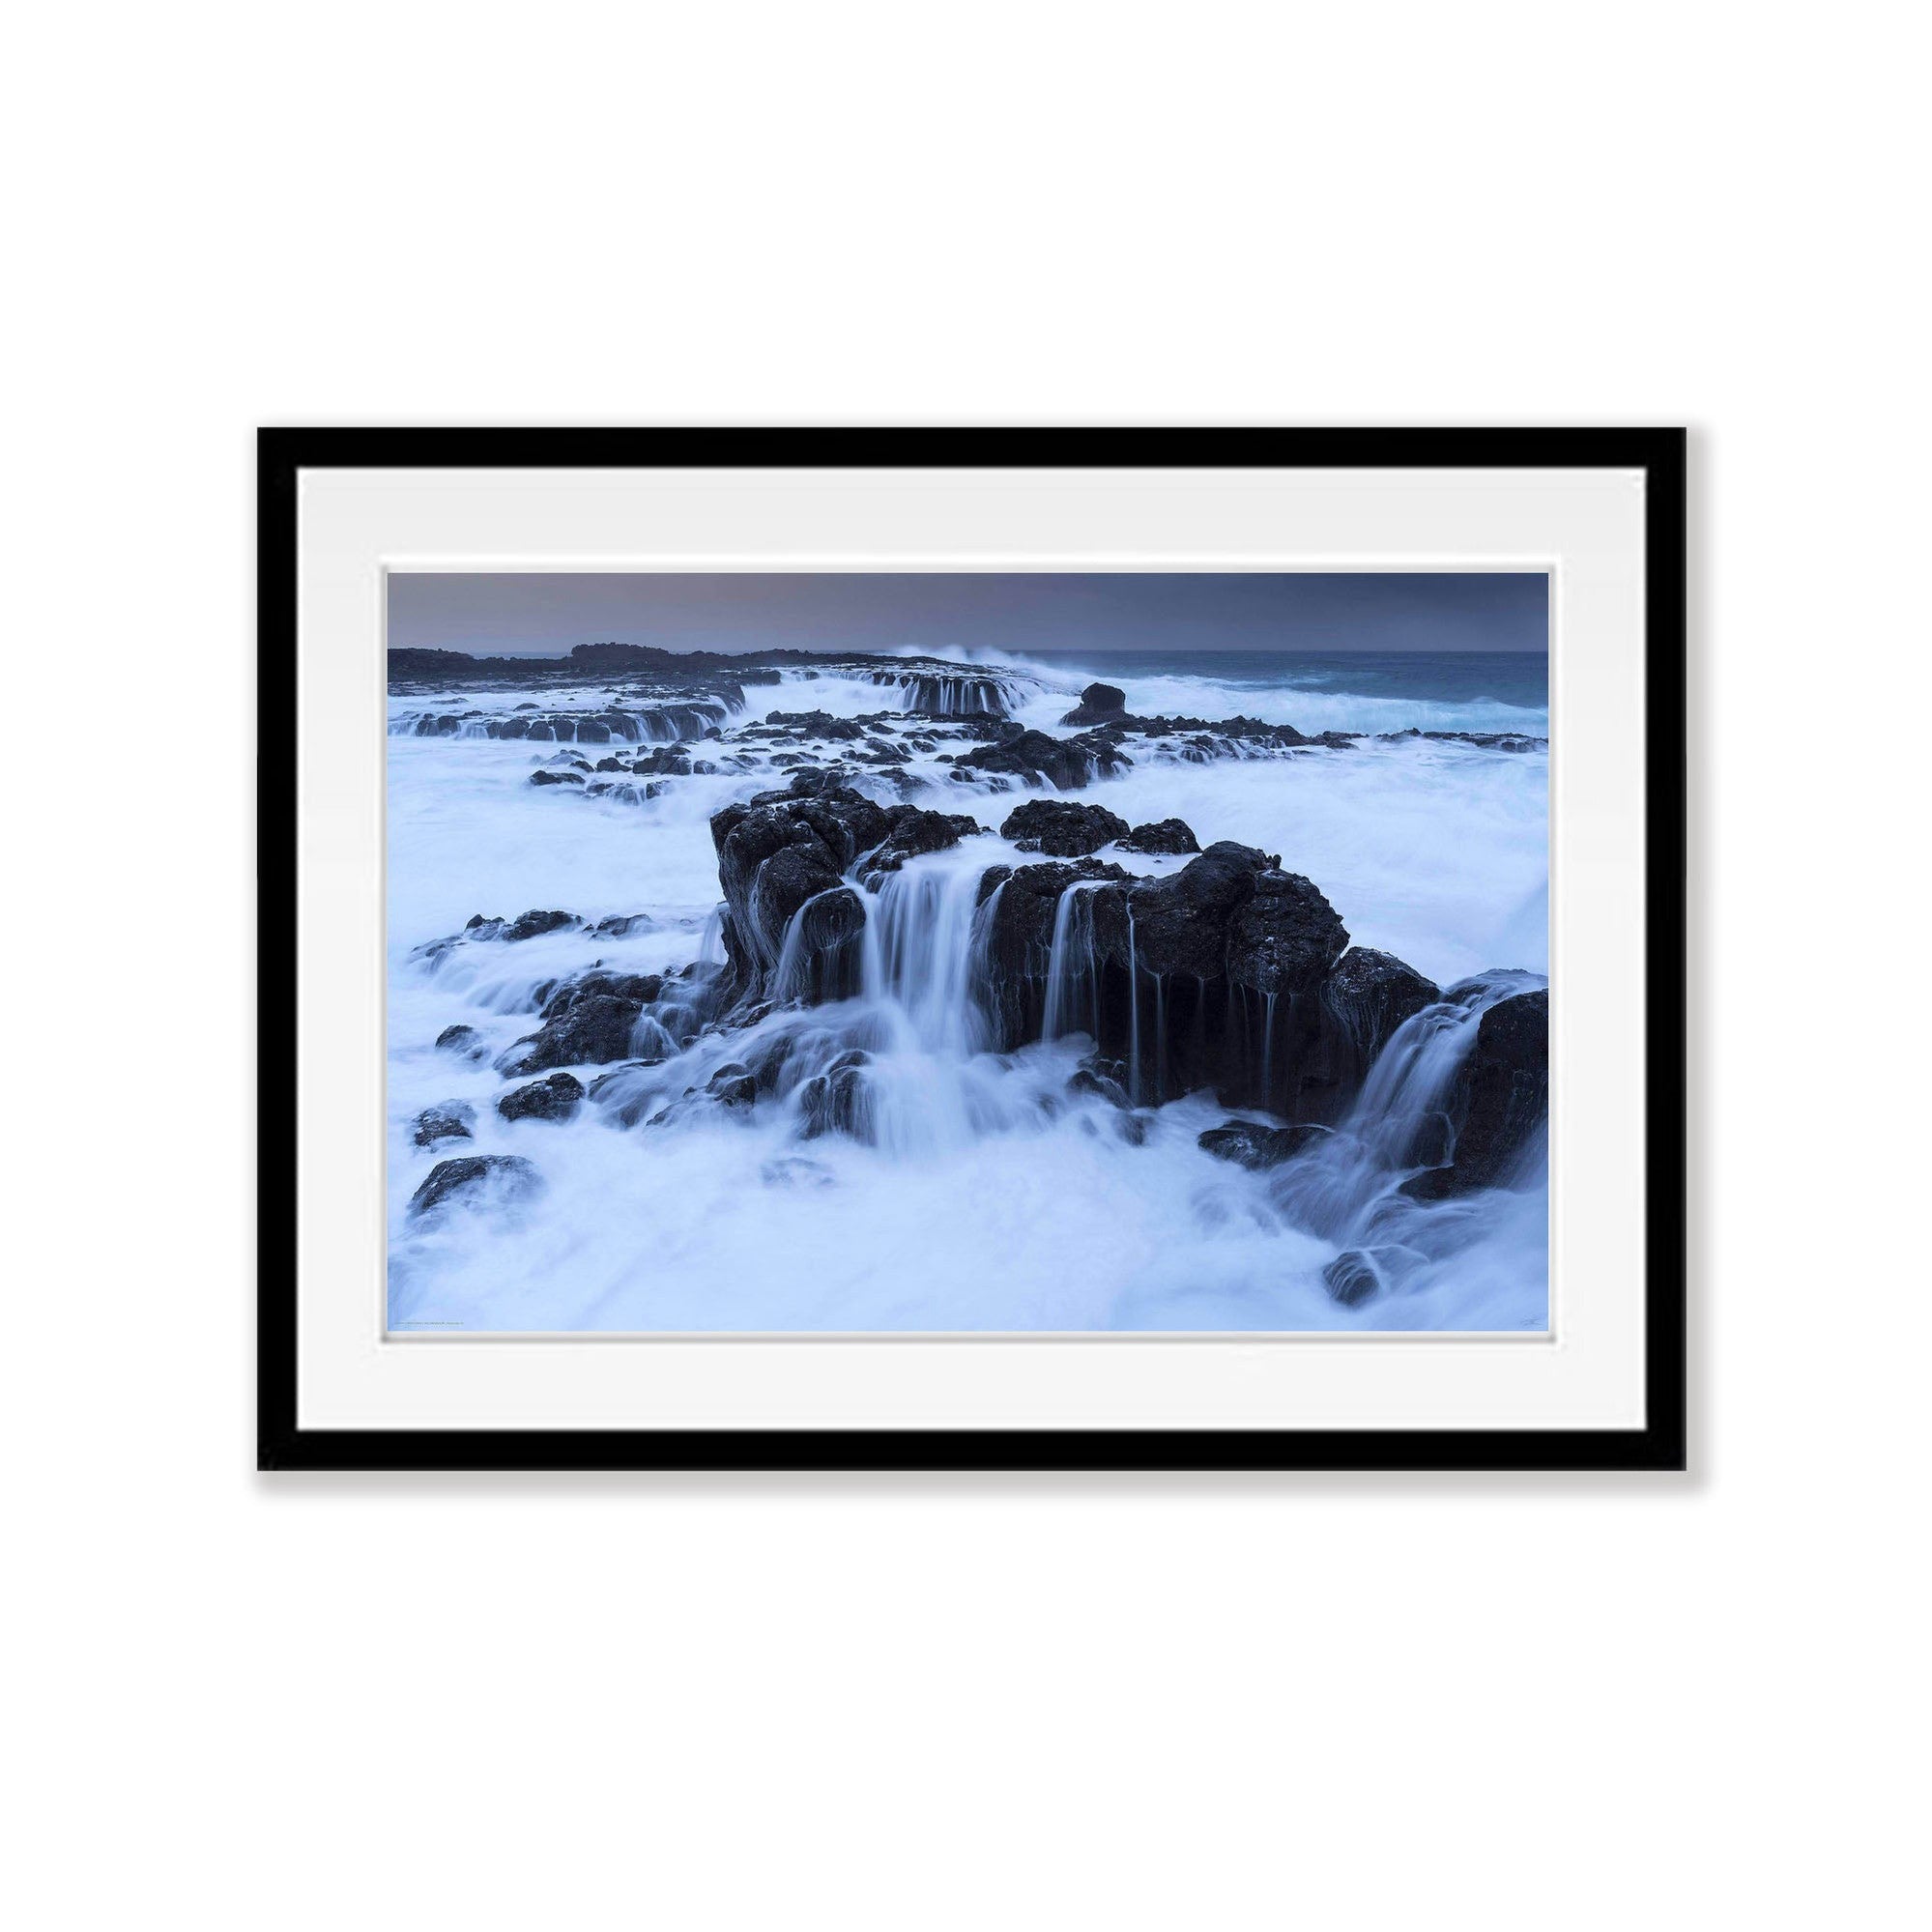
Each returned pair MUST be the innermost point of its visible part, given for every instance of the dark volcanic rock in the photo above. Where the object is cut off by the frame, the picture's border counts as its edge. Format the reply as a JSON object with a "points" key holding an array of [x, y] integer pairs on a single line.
{"points": [[1352, 1277], [821, 960], [462, 1041], [1018, 905], [732, 1085], [779, 851], [1370, 994], [532, 924], [913, 834], [1167, 835], [449, 1120], [505, 1176], [556, 778], [1068, 764], [1099, 705], [835, 1102], [1286, 938], [595, 1028], [1256, 1147], [637, 990], [557, 1098], [1499, 1099], [1182, 923], [1061, 830]]}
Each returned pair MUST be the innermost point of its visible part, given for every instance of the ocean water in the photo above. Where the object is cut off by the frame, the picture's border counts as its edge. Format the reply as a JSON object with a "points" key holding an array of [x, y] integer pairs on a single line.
{"points": [[979, 1210]]}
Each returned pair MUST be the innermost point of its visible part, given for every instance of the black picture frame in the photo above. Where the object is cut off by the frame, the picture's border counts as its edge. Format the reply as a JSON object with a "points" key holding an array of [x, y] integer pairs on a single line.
{"points": [[1660, 1444]]}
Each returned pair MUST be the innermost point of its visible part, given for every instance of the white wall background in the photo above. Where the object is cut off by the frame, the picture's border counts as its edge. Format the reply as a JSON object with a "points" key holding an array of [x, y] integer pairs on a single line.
{"points": [[898, 1704]]}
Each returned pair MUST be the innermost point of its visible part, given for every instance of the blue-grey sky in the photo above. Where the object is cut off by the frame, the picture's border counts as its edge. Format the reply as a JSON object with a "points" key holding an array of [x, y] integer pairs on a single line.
{"points": [[487, 613]]}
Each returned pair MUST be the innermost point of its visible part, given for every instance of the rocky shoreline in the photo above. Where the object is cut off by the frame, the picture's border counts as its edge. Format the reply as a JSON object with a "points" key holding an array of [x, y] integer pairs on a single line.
{"points": [[1229, 976]]}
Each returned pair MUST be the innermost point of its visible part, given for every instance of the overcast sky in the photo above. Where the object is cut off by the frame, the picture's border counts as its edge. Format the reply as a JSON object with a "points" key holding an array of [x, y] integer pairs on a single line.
{"points": [[1021, 612]]}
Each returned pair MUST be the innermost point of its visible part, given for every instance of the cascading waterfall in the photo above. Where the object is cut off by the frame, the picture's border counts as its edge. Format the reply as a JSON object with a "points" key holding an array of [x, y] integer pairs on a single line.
{"points": [[1073, 965], [1344, 1189], [918, 954]]}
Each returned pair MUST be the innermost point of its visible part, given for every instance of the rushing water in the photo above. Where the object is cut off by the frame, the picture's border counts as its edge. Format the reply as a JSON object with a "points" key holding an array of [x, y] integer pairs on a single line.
{"points": [[987, 1194]]}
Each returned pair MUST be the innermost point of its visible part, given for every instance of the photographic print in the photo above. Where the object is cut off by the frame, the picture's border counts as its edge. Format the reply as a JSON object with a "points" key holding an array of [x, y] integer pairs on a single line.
{"points": [[860, 953]]}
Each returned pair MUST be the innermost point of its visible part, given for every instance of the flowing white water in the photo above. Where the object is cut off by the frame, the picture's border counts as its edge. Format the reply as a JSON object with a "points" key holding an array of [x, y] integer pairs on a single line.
{"points": [[990, 1197]]}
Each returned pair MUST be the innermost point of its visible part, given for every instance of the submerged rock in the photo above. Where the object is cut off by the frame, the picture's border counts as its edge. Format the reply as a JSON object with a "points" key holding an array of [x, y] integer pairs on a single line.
{"points": [[1352, 1278], [557, 1098], [833, 1102], [731, 1085], [449, 1120], [1256, 1147], [462, 1041], [507, 1177], [1060, 830]]}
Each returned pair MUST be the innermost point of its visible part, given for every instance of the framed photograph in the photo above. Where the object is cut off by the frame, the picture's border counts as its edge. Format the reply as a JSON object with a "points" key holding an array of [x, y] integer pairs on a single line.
{"points": [[819, 949]]}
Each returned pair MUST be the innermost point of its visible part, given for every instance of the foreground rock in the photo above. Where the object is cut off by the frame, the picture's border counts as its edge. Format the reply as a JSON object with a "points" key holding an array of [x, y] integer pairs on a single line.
{"points": [[1204, 978], [776, 853], [557, 1098], [505, 1177], [465, 1042], [1352, 1278], [1256, 1147], [451, 1120], [1061, 830], [1498, 1101]]}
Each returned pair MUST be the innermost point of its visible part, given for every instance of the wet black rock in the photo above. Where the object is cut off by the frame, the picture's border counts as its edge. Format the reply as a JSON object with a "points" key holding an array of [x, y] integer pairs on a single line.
{"points": [[774, 854], [557, 1098], [731, 1085], [823, 949], [1370, 994], [1167, 835], [1099, 705], [1068, 764], [449, 1120], [504, 1177], [1256, 1147], [532, 925], [637, 990], [1061, 830], [1432, 1144], [1286, 938], [1498, 1102], [913, 834], [595, 1028], [833, 1102], [462, 1041], [556, 778], [1182, 923], [1102, 1087], [1018, 906], [1352, 1277]]}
